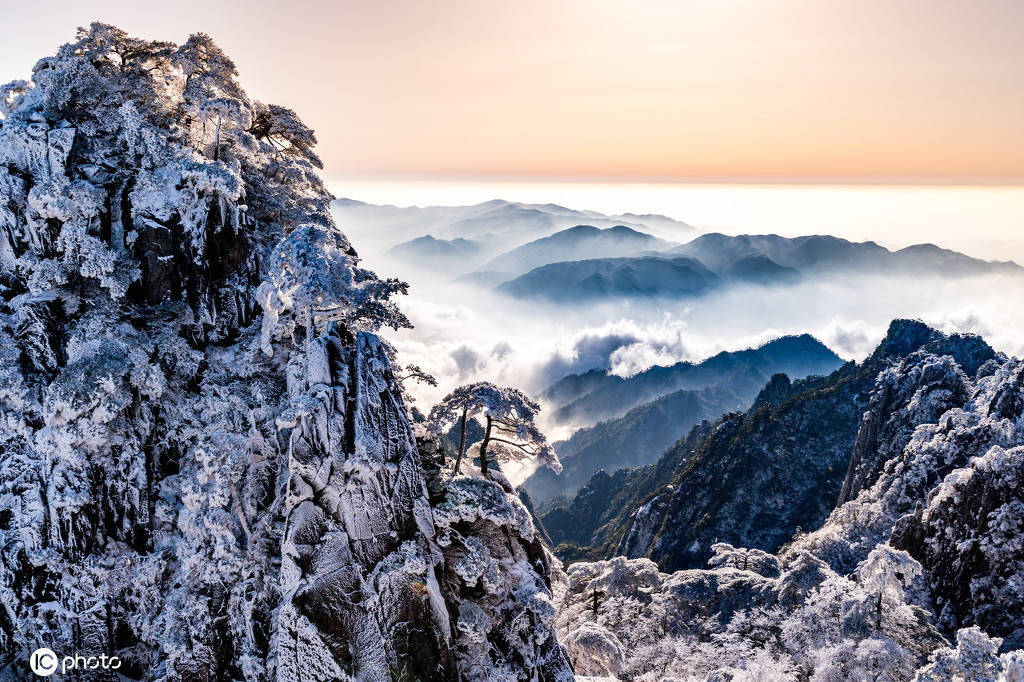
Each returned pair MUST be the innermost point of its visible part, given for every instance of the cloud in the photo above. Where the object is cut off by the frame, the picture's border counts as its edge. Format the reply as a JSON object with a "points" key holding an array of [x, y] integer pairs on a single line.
{"points": [[851, 338], [501, 350], [636, 357], [466, 333], [466, 360], [590, 350]]}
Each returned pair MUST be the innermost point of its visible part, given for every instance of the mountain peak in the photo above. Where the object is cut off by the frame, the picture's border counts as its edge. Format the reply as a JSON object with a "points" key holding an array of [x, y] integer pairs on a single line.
{"points": [[576, 231], [186, 540], [797, 345], [778, 388], [624, 230], [905, 336], [574, 245], [804, 340]]}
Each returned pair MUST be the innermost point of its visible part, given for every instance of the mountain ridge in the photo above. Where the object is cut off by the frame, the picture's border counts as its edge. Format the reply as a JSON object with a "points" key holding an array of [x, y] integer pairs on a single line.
{"points": [[498, 224], [717, 261], [577, 243], [813, 422], [801, 353], [640, 416], [808, 253], [595, 279]]}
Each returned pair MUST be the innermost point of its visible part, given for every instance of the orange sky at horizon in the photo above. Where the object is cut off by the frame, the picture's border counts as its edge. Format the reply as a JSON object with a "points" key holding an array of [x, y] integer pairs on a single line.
{"points": [[719, 90]]}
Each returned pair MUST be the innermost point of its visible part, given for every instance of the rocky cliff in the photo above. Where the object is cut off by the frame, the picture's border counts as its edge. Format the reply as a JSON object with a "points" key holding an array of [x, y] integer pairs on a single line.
{"points": [[916, 576], [755, 478], [206, 465], [949, 492]]}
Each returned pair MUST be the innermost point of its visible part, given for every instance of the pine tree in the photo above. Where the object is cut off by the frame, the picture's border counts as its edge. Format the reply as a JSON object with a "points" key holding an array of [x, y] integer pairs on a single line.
{"points": [[510, 431]]}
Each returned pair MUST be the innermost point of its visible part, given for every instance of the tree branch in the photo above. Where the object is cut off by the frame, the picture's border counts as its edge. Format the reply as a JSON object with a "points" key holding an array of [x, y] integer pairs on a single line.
{"points": [[508, 442]]}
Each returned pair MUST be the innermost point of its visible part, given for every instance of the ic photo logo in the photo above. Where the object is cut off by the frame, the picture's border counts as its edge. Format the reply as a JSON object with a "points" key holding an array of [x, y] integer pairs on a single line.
{"points": [[44, 662]]}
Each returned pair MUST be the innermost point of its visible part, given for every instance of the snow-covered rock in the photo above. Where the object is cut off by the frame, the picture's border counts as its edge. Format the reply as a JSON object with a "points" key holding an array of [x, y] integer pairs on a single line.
{"points": [[497, 577], [916, 574], [206, 465]]}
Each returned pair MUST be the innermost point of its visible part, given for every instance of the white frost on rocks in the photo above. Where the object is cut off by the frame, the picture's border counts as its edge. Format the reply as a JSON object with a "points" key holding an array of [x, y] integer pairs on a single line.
{"points": [[929, 549], [595, 651], [499, 572], [204, 493]]}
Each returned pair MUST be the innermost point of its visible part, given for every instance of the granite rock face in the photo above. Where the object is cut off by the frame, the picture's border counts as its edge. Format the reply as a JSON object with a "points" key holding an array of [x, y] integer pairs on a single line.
{"points": [[968, 534], [918, 391], [917, 576], [947, 488], [754, 478], [206, 465]]}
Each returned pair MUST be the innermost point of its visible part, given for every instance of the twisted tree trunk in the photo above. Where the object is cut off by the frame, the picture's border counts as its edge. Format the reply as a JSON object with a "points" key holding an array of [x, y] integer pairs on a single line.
{"points": [[483, 447], [462, 445]]}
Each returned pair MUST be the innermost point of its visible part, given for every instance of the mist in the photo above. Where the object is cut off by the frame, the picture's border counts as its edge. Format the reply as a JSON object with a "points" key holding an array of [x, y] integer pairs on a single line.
{"points": [[465, 332]]}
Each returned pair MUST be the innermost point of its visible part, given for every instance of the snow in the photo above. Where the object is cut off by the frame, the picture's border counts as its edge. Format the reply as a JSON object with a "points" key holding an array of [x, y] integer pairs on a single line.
{"points": [[204, 493], [871, 594], [207, 466], [511, 433]]}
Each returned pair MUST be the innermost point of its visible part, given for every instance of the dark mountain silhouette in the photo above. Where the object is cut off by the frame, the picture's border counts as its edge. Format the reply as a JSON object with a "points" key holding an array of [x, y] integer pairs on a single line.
{"points": [[598, 395], [581, 242], [497, 225], [813, 253], [712, 261], [602, 278], [761, 270]]}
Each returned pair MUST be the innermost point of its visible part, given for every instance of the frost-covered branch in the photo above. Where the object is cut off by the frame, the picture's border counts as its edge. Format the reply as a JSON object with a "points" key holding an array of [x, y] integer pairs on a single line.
{"points": [[507, 411]]}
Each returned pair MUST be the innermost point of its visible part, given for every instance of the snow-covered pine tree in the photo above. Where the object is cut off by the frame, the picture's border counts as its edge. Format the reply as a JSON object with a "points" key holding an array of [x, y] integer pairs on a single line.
{"points": [[206, 467], [510, 433]]}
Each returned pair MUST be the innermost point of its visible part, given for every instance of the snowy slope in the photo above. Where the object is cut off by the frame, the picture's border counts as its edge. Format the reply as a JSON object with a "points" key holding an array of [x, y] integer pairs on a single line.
{"points": [[915, 575]]}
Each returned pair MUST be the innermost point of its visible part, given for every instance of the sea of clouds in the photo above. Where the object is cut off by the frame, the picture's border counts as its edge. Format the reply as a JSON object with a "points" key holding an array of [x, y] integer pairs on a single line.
{"points": [[464, 332]]}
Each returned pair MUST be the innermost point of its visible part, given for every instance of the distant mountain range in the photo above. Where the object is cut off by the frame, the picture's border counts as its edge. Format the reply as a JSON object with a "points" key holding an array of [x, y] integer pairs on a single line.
{"points": [[634, 439], [596, 395], [547, 251], [428, 250], [602, 278], [433, 248], [495, 225], [820, 252], [761, 270], [581, 242], [713, 261], [646, 413]]}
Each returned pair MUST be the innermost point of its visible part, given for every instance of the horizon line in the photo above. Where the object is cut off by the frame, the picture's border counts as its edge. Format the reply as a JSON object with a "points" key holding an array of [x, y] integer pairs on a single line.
{"points": [[793, 181]]}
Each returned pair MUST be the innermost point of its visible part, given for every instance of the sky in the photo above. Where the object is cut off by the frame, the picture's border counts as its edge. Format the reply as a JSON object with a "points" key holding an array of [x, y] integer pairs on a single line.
{"points": [[724, 90]]}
